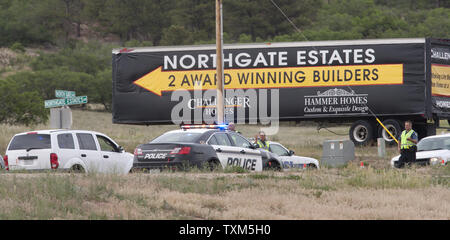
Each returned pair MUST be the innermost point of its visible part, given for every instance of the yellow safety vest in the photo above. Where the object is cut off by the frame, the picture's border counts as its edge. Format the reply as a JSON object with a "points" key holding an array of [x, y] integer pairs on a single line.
{"points": [[261, 145], [405, 143]]}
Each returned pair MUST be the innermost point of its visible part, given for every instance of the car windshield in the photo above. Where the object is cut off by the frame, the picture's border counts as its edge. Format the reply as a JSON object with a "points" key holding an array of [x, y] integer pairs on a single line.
{"points": [[30, 141], [187, 137], [434, 144]]}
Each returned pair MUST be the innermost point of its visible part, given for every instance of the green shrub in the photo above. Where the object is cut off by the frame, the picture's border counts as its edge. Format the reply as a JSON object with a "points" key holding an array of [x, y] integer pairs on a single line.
{"points": [[17, 47], [20, 107]]}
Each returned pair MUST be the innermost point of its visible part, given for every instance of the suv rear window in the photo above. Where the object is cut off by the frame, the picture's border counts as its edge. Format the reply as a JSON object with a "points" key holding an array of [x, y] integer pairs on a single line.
{"points": [[30, 141]]}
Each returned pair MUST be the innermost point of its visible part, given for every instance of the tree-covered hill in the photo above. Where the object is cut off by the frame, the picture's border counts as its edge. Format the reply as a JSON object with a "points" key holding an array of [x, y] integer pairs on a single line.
{"points": [[171, 22]]}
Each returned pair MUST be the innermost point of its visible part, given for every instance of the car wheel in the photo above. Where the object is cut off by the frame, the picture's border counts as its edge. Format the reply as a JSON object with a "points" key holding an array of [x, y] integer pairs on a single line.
{"points": [[273, 166], [311, 166], [77, 169], [214, 165]]}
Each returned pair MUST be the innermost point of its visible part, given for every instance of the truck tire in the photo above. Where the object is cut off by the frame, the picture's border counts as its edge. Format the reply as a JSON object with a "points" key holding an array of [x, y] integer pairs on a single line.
{"points": [[361, 133], [394, 126]]}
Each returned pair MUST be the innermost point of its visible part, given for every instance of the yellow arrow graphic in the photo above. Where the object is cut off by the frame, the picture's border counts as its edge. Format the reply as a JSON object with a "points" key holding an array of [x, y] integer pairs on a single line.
{"points": [[158, 81]]}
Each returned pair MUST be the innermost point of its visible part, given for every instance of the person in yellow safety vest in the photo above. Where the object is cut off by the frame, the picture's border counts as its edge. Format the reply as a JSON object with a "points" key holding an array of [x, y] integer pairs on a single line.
{"points": [[261, 141], [407, 146]]}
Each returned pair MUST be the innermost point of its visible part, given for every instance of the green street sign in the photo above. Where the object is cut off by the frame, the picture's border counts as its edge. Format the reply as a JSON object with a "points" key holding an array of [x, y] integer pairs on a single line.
{"points": [[76, 100], [54, 103], [64, 94], [65, 101]]}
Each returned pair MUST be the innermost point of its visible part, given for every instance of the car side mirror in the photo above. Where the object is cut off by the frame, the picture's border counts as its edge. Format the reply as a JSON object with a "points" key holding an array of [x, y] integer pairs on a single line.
{"points": [[291, 152], [121, 149], [253, 146]]}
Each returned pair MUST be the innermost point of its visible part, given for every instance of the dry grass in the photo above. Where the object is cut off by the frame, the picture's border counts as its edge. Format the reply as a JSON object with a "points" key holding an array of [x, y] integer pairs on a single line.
{"points": [[373, 192]]}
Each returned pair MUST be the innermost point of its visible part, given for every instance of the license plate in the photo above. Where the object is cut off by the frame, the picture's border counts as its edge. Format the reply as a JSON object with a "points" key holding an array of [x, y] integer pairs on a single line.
{"points": [[26, 163], [28, 158], [156, 170], [155, 156]]}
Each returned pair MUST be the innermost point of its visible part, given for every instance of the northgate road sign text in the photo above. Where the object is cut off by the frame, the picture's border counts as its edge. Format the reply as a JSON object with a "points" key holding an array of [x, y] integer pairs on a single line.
{"points": [[65, 98]]}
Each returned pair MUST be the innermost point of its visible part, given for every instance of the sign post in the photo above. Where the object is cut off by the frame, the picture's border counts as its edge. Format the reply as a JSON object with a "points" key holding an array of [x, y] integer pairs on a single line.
{"points": [[219, 60], [62, 117]]}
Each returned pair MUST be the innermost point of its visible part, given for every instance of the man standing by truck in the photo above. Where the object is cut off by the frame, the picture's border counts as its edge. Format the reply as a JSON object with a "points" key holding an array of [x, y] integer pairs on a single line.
{"points": [[407, 146]]}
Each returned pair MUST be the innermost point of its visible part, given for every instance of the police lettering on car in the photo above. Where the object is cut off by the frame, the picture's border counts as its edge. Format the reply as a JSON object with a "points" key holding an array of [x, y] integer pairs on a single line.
{"points": [[212, 146]]}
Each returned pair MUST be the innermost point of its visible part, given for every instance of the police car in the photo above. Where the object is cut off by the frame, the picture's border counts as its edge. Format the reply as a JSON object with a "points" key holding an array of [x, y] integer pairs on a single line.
{"points": [[291, 161], [211, 146]]}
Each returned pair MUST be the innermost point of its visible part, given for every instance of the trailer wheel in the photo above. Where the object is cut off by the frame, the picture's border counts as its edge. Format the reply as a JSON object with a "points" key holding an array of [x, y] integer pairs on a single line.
{"points": [[394, 127], [361, 133]]}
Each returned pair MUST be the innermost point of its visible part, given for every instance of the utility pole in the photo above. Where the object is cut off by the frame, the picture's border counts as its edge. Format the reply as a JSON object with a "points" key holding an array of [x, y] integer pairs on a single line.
{"points": [[219, 61]]}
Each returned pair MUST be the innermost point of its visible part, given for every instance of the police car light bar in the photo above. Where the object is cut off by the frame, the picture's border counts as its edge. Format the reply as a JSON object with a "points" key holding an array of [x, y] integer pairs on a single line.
{"points": [[210, 126]]}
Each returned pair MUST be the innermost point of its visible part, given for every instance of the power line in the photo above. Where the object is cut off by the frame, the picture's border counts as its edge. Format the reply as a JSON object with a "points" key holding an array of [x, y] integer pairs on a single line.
{"points": [[348, 86], [289, 20]]}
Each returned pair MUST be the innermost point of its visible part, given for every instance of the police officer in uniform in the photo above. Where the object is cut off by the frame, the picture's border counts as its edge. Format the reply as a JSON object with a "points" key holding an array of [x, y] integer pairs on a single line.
{"points": [[232, 127], [407, 146], [262, 141]]}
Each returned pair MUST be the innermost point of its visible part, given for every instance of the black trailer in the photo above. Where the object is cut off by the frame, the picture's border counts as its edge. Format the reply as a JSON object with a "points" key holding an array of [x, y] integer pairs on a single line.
{"points": [[323, 81]]}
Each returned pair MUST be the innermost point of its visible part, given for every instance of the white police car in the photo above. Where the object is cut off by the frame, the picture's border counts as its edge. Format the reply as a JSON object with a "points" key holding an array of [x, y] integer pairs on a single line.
{"points": [[289, 160], [202, 145], [433, 150]]}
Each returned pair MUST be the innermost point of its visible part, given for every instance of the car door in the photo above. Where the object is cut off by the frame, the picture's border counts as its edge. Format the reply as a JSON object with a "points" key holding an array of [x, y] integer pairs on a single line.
{"points": [[66, 148], [111, 155], [284, 156], [223, 147], [89, 153], [251, 158]]}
